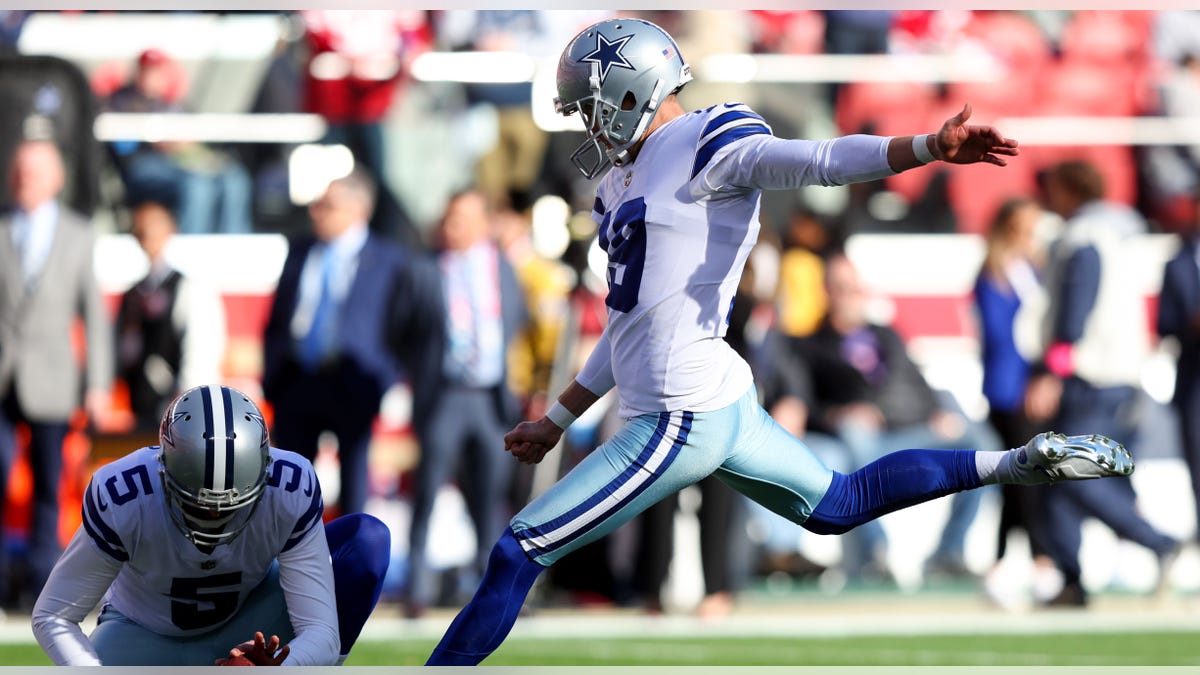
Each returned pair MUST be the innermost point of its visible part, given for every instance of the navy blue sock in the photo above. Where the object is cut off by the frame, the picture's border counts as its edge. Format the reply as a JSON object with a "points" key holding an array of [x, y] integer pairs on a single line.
{"points": [[360, 547], [486, 620], [891, 483]]}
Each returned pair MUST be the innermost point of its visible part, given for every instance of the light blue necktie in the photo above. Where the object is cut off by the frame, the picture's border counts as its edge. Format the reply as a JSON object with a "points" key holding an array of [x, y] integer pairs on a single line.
{"points": [[318, 342], [23, 231]]}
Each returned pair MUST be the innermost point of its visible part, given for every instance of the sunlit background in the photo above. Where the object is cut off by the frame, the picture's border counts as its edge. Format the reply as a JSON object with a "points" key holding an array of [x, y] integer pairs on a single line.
{"points": [[464, 98]]}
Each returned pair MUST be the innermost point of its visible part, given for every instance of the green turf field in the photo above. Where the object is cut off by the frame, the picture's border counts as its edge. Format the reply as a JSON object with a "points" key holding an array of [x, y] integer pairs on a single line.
{"points": [[927, 650], [1115, 649]]}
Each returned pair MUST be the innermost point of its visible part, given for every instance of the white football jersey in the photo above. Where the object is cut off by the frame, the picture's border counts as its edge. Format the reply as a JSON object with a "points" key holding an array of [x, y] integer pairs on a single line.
{"points": [[678, 224], [169, 585]]}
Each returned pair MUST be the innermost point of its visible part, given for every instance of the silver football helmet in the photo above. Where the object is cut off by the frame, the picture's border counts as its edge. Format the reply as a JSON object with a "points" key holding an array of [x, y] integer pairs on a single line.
{"points": [[615, 74], [214, 453]]}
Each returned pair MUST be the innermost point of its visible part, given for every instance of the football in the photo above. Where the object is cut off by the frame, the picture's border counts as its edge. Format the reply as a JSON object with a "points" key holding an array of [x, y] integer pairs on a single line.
{"points": [[235, 661]]}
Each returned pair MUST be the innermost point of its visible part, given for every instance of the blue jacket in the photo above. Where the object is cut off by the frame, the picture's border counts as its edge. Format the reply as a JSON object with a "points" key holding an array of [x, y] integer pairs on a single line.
{"points": [[1005, 372], [367, 364], [418, 333], [1177, 304]]}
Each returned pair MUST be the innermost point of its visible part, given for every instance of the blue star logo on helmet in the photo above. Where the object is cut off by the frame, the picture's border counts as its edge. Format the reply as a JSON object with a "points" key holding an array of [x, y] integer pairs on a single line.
{"points": [[608, 54], [262, 423], [168, 430]]}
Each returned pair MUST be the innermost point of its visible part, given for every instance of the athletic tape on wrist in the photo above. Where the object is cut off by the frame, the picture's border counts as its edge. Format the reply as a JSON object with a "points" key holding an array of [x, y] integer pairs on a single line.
{"points": [[559, 414], [921, 148]]}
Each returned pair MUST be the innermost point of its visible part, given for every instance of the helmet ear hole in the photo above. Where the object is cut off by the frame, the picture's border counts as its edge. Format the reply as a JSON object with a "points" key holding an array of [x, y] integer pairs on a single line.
{"points": [[629, 102]]}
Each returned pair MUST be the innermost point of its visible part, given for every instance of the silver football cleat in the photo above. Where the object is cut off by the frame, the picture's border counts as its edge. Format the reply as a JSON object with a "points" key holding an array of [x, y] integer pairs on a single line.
{"points": [[1061, 457]]}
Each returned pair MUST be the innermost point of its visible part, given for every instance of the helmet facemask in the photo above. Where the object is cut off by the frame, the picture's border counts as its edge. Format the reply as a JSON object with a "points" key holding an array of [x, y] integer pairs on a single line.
{"points": [[612, 130], [210, 517]]}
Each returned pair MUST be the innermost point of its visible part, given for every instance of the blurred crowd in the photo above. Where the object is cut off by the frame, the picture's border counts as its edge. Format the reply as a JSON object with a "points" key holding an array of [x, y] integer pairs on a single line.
{"points": [[470, 315]]}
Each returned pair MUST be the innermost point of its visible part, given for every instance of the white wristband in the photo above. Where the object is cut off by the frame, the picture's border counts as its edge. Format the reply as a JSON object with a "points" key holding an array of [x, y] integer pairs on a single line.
{"points": [[921, 148], [559, 414]]}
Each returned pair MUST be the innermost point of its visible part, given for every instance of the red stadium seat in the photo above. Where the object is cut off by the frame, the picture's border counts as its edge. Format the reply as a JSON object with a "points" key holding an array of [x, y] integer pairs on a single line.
{"points": [[1106, 37], [1082, 88], [993, 100], [861, 104], [1017, 43], [788, 31], [1012, 37]]}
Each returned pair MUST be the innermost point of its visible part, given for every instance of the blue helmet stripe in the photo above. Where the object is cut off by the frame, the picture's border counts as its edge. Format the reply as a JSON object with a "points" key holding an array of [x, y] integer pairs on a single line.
{"points": [[209, 443], [229, 440]]}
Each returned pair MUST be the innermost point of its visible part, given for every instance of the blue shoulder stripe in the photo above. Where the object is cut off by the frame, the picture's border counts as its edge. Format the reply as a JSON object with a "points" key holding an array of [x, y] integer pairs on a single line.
{"points": [[315, 508], [727, 117], [598, 207], [106, 539], [705, 155], [311, 517]]}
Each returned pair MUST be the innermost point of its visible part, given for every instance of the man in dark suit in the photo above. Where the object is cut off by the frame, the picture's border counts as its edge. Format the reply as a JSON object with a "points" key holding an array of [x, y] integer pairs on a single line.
{"points": [[326, 365], [462, 405], [46, 284], [1179, 317]]}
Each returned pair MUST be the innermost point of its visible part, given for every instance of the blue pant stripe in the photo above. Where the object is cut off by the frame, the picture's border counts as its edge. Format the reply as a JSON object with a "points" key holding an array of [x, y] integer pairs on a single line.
{"points": [[552, 536], [545, 528]]}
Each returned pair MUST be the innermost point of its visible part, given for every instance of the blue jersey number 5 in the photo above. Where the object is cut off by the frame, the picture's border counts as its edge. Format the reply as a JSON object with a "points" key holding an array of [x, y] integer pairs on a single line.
{"points": [[623, 236], [198, 602]]}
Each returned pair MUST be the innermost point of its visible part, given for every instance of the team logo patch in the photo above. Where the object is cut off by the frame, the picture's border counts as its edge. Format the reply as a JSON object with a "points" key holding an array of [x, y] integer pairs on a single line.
{"points": [[608, 54], [208, 564]]}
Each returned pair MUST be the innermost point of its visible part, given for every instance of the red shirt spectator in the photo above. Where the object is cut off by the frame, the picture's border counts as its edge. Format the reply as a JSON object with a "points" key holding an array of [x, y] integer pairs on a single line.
{"points": [[358, 59]]}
